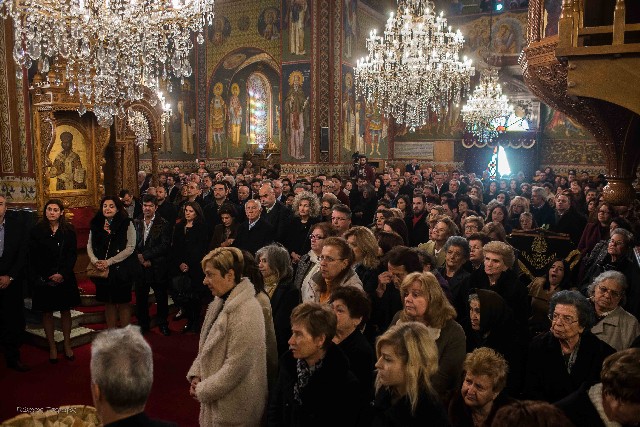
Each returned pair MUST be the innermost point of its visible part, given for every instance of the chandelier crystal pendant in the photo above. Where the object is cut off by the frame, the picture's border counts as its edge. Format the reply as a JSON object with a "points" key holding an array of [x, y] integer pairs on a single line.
{"points": [[139, 125], [414, 71], [485, 106], [111, 51]]}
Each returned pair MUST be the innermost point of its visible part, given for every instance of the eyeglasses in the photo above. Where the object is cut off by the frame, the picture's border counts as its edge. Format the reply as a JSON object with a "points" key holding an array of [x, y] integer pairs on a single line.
{"points": [[323, 258], [562, 319], [333, 218], [316, 237], [616, 242], [604, 290]]}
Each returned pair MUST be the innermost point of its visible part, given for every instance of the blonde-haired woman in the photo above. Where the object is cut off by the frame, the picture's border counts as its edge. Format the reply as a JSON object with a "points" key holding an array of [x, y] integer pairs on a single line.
{"points": [[365, 248], [405, 396], [306, 213], [424, 301], [230, 368]]}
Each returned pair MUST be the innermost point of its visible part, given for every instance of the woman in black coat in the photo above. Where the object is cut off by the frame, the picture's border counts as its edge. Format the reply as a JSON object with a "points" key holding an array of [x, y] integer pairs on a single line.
{"points": [[189, 245], [560, 360], [52, 256], [306, 213], [315, 387], [490, 323], [225, 233], [112, 241]]}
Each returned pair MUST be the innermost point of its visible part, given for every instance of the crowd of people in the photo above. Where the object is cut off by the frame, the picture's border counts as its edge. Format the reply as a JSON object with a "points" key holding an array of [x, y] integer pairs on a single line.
{"points": [[386, 298]]}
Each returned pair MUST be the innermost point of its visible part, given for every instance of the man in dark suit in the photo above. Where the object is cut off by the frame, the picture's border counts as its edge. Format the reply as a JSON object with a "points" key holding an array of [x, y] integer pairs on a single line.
{"points": [[166, 209], [221, 193], [13, 250], [254, 233], [152, 248], [118, 396], [273, 211], [412, 167], [439, 184], [567, 219], [172, 189], [131, 204], [540, 209]]}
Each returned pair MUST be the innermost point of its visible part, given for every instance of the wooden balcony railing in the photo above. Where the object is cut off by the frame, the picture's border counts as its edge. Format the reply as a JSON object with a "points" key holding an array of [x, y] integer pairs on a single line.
{"points": [[602, 38]]}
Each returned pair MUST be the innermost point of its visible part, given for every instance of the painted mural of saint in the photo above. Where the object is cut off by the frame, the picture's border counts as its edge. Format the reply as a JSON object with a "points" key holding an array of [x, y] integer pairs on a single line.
{"points": [[298, 10], [295, 106], [67, 166], [217, 119], [374, 127], [187, 127], [235, 115], [348, 114]]}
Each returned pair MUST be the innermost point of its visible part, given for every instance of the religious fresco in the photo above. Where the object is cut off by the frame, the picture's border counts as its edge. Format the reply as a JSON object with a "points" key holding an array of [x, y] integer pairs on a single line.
{"points": [[296, 30], [69, 161], [507, 37], [350, 30], [269, 23], [243, 106], [296, 106], [178, 141], [564, 141], [220, 31], [559, 126]]}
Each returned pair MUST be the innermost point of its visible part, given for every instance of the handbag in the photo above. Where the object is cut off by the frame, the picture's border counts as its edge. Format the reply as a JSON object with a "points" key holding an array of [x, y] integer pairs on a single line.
{"points": [[95, 272]]}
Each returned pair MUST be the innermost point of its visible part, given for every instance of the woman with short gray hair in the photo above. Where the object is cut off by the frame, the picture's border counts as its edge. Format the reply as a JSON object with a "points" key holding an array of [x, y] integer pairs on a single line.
{"points": [[560, 360], [275, 265], [615, 325]]}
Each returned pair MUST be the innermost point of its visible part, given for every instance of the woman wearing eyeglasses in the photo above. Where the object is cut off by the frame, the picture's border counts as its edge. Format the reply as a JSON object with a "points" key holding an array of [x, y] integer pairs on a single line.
{"points": [[308, 264], [615, 325], [336, 261], [560, 360], [306, 212]]}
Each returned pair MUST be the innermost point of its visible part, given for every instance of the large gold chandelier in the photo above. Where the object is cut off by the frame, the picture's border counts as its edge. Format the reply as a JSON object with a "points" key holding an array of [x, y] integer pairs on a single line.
{"points": [[111, 50], [413, 71], [485, 106]]}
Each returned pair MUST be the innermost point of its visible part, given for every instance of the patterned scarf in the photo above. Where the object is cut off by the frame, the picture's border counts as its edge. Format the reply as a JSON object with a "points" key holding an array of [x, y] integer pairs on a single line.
{"points": [[270, 283], [304, 373]]}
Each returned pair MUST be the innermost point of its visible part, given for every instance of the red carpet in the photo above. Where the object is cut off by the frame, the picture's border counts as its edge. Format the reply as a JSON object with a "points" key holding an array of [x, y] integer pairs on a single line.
{"points": [[50, 386]]}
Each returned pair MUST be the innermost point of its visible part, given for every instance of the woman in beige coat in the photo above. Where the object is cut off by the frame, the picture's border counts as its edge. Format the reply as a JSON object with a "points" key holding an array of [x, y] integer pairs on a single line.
{"points": [[229, 375]]}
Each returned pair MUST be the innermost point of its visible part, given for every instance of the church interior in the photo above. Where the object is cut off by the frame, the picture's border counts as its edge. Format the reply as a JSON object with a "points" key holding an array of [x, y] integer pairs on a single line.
{"points": [[276, 82], [255, 64]]}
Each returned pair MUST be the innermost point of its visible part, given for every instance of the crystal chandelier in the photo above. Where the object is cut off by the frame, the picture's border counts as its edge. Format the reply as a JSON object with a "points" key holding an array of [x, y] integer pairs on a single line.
{"points": [[110, 51], [485, 106], [139, 125], [413, 71]]}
